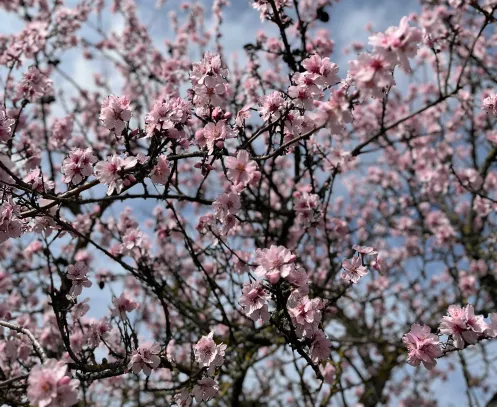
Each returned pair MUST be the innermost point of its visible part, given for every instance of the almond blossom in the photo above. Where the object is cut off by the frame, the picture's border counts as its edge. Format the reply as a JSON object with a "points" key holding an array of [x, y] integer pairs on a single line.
{"points": [[77, 273], [11, 226], [226, 204], [271, 106], [490, 104], [398, 43], [462, 325], [122, 305], [422, 346], [6, 125], [371, 74], [98, 330], [242, 170], [112, 172], [306, 315], [205, 389], [168, 117], [320, 347], [78, 165], [115, 113], [239, 198], [254, 301], [207, 353], [353, 269], [273, 263], [48, 385], [61, 131], [145, 358], [161, 171], [34, 85]]}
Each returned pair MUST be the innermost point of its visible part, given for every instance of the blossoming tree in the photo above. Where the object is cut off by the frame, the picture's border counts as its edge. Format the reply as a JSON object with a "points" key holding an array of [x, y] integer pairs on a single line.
{"points": [[273, 230]]}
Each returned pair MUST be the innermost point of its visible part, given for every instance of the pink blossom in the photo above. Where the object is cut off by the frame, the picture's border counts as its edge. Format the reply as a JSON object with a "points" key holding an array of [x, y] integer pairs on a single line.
{"points": [[205, 389], [11, 226], [168, 117], [299, 278], [308, 209], [78, 165], [226, 204], [183, 399], [462, 325], [321, 71], [398, 43], [33, 85], [333, 114], [328, 372], [39, 182], [112, 172], [6, 125], [145, 358], [115, 113], [254, 301], [207, 353], [213, 135], [48, 385], [305, 313], [243, 115], [80, 309], [302, 96], [241, 170], [422, 346], [490, 104], [273, 263], [240, 262], [61, 131], [228, 223], [161, 171], [205, 222], [366, 250], [371, 74], [320, 347], [353, 269], [132, 239], [467, 284], [209, 82], [98, 330], [122, 305], [271, 106], [77, 274]]}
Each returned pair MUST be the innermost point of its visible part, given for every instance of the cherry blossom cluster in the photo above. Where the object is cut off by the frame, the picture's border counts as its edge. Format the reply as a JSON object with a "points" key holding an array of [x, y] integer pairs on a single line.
{"points": [[208, 355], [461, 326]]}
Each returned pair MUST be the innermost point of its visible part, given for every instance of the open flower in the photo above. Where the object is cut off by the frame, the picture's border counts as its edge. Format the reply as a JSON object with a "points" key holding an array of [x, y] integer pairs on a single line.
{"points": [[241, 170], [353, 269], [145, 358], [77, 273], [462, 325], [48, 385], [275, 262], [112, 172], [115, 113], [422, 346], [207, 353]]}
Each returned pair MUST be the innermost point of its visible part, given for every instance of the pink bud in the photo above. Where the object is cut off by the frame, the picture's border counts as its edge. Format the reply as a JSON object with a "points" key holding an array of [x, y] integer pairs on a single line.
{"points": [[65, 380]]}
